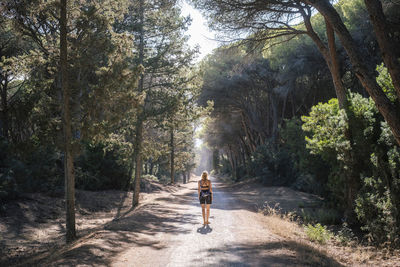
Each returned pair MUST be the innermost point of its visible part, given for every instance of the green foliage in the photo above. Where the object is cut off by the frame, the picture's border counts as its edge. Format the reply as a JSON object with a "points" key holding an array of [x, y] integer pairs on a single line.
{"points": [[273, 164], [318, 233], [375, 159], [327, 124], [100, 167], [385, 81], [378, 202]]}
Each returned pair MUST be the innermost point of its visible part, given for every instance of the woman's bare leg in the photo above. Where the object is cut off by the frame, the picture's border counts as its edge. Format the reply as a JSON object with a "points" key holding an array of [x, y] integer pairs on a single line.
{"points": [[208, 213], [203, 212]]}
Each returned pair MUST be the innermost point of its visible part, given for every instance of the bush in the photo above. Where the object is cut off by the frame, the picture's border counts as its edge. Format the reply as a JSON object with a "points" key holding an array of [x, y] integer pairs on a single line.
{"points": [[317, 233], [100, 168]]}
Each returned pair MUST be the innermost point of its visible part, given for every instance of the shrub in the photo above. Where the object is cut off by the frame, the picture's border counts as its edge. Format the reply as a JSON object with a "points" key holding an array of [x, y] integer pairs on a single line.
{"points": [[317, 233]]}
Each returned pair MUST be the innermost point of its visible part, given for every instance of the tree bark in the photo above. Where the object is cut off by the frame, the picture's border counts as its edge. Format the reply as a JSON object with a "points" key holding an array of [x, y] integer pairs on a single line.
{"points": [[4, 106], [172, 155], [68, 158], [385, 42], [138, 161], [140, 116], [335, 68], [352, 179], [151, 167], [367, 78]]}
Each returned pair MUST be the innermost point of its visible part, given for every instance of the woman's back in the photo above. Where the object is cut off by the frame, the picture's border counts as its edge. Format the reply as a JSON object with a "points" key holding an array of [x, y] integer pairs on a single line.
{"points": [[204, 185]]}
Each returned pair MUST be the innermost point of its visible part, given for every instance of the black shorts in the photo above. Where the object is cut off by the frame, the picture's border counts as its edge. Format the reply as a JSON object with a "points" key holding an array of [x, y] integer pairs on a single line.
{"points": [[206, 200]]}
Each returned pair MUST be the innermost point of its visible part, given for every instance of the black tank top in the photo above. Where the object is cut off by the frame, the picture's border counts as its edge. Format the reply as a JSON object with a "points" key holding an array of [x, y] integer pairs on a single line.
{"points": [[204, 187]]}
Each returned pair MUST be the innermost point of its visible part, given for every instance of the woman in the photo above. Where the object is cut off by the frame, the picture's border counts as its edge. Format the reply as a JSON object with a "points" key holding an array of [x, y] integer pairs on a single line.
{"points": [[205, 195]]}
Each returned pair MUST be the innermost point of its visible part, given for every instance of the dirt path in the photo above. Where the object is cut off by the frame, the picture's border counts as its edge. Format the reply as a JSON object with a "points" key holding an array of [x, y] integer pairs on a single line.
{"points": [[168, 231]]}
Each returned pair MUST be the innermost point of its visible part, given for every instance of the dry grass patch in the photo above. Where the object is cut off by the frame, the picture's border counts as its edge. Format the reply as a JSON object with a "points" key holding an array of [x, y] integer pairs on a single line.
{"points": [[348, 254]]}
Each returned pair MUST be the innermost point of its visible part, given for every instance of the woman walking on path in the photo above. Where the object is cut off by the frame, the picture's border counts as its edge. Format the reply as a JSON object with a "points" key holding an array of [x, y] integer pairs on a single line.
{"points": [[205, 195]]}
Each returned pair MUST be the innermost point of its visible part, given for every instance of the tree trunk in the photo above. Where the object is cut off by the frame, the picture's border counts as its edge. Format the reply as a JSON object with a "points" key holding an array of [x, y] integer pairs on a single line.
{"points": [[151, 167], [366, 76], [68, 158], [172, 155], [385, 42], [331, 59], [231, 161], [184, 177], [4, 107], [215, 161], [274, 130], [140, 116], [352, 179], [335, 68], [138, 161]]}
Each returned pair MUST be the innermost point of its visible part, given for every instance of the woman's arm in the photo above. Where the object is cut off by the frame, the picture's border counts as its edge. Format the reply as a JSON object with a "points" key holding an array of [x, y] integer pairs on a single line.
{"points": [[198, 188]]}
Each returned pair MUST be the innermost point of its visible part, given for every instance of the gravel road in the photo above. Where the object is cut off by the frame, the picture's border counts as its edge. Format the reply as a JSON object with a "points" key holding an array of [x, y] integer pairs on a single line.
{"points": [[236, 235]]}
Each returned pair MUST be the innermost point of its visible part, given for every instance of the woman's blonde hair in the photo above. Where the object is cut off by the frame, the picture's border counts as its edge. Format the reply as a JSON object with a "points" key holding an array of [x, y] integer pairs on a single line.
{"points": [[204, 176]]}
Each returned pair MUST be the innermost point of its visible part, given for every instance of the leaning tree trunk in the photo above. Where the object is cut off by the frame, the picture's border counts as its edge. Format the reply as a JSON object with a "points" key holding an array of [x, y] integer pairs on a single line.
{"points": [[331, 58], [335, 68], [68, 159], [388, 48], [367, 77]]}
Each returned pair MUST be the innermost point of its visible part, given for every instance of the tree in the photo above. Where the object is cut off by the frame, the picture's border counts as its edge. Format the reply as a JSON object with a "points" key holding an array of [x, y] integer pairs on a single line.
{"points": [[68, 155], [159, 38]]}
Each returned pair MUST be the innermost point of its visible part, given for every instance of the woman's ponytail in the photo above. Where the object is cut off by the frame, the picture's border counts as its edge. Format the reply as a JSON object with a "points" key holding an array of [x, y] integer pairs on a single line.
{"points": [[204, 176]]}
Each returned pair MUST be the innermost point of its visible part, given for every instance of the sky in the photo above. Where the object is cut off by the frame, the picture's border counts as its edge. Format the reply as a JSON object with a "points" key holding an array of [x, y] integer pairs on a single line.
{"points": [[199, 35], [198, 31]]}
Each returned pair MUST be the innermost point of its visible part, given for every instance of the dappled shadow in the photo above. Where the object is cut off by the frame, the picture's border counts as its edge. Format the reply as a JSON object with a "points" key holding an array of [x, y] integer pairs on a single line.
{"points": [[24, 224], [35, 223], [138, 229], [205, 229], [286, 253], [152, 221]]}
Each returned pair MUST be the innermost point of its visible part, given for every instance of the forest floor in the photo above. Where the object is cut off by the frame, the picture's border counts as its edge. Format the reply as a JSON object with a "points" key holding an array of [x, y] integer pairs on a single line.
{"points": [[166, 230]]}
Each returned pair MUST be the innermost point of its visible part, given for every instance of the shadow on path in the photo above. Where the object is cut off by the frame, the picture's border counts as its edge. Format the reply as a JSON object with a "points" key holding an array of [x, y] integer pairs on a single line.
{"points": [[205, 229], [285, 253]]}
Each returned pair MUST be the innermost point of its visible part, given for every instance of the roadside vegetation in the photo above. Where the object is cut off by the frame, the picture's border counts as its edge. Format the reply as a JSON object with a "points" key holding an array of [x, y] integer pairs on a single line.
{"points": [[279, 117]]}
